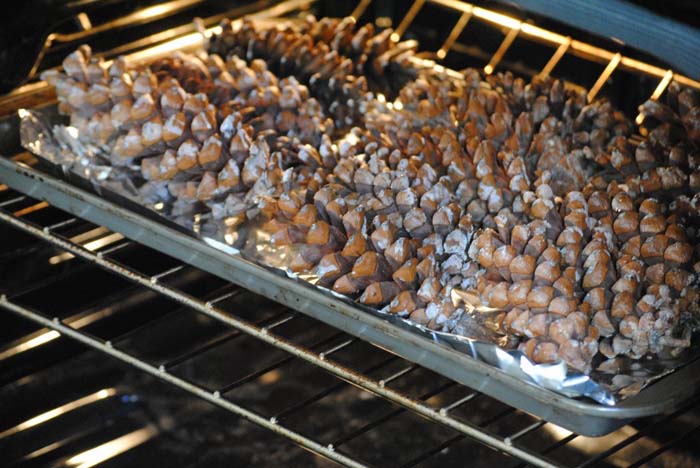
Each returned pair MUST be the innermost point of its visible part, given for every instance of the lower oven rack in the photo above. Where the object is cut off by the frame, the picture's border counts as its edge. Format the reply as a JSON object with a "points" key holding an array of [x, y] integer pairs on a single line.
{"points": [[215, 397], [79, 204], [579, 416], [452, 409]]}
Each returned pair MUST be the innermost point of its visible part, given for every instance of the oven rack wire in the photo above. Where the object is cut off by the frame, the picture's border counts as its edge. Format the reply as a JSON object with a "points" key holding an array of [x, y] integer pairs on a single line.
{"points": [[16, 211]]}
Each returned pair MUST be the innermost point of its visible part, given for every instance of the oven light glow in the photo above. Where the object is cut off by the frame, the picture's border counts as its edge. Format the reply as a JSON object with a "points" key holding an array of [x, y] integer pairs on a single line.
{"points": [[91, 246], [30, 209], [535, 31], [154, 11], [181, 43], [56, 412], [270, 378], [103, 242], [45, 336], [111, 449], [592, 445], [29, 344], [557, 431], [660, 88], [498, 18]]}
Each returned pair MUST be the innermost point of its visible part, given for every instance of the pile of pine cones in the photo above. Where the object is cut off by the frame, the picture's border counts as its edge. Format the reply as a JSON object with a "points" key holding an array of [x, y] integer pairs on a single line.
{"points": [[401, 186]]}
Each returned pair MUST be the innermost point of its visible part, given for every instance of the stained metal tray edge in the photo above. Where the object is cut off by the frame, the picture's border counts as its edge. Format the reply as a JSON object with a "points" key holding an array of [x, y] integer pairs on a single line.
{"points": [[579, 416]]}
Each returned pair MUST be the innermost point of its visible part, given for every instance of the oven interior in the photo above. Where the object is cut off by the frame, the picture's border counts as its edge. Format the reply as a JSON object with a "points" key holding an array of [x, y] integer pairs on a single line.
{"points": [[67, 403]]}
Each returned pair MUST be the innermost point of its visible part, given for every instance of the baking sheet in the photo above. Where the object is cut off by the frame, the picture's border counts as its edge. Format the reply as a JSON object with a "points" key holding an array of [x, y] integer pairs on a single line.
{"points": [[577, 415], [468, 332]]}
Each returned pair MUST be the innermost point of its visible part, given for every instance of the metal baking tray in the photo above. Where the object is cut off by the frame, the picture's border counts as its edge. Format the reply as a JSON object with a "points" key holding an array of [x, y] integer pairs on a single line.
{"points": [[66, 192]]}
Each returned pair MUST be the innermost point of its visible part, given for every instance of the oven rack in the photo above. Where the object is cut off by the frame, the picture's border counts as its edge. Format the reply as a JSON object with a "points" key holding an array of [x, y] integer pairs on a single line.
{"points": [[451, 411], [264, 333], [580, 416], [513, 29], [35, 92]]}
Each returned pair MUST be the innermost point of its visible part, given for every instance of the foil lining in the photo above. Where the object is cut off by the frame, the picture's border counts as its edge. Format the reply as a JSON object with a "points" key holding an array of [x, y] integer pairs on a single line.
{"points": [[470, 331]]}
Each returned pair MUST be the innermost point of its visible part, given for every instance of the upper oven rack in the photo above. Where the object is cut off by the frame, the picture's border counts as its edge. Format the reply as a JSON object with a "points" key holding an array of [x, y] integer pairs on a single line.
{"points": [[512, 28]]}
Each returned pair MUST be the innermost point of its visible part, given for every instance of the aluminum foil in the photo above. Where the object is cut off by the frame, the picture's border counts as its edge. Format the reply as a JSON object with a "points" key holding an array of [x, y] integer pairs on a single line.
{"points": [[469, 331]]}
